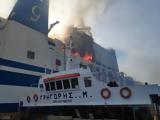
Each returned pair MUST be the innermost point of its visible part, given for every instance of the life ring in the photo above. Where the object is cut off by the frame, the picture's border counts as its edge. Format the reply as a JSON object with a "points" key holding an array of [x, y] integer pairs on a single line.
{"points": [[105, 93], [35, 97], [125, 92], [28, 99]]}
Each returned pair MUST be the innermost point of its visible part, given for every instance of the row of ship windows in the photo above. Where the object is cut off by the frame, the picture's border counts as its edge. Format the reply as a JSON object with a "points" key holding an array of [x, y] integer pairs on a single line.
{"points": [[66, 84], [62, 84], [31, 55]]}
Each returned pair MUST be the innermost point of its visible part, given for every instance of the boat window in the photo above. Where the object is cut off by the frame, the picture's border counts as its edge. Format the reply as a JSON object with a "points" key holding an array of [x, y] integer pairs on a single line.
{"points": [[87, 81], [47, 86], [74, 83], [59, 85], [30, 54], [58, 62], [66, 84], [52, 84]]}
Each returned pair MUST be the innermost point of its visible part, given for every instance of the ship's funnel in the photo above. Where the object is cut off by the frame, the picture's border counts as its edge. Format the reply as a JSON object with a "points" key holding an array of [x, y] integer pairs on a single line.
{"points": [[32, 13]]}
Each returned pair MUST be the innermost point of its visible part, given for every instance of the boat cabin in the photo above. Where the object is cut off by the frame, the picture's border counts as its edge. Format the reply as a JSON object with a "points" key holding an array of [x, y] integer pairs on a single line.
{"points": [[67, 81]]}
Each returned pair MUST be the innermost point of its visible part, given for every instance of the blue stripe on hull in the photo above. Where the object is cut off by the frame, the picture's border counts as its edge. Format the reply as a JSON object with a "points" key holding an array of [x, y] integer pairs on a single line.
{"points": [[18, 79], [14, 64], [9, 107], [24, 66], [15, 107]]}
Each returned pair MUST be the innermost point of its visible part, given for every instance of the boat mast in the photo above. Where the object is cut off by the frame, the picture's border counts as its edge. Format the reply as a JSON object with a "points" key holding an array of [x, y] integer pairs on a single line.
{"points": [[68, 49]]}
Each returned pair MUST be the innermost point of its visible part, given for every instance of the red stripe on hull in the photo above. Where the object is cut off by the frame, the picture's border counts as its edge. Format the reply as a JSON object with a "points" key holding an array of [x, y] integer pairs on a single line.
{"points": [[62, 76]]}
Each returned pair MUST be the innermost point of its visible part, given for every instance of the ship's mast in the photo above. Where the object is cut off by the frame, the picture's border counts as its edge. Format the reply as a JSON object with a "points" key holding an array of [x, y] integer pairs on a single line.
{"points": [[68, 49]]}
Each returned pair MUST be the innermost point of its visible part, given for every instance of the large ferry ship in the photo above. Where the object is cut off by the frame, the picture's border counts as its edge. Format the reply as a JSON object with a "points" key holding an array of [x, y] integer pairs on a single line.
{"points": [[27, 53]]}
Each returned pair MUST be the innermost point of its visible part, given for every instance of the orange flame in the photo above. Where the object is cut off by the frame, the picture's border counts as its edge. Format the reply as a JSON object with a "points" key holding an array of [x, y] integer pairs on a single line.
{"points": [[87, 57]]}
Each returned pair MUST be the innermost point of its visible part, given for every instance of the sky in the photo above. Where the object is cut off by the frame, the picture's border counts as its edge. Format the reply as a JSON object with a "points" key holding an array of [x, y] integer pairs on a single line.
{"points": [[131, 27]]}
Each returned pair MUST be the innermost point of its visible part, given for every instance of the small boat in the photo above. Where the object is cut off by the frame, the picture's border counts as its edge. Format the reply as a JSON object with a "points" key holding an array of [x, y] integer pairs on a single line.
{"points": [[79, 87]]}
